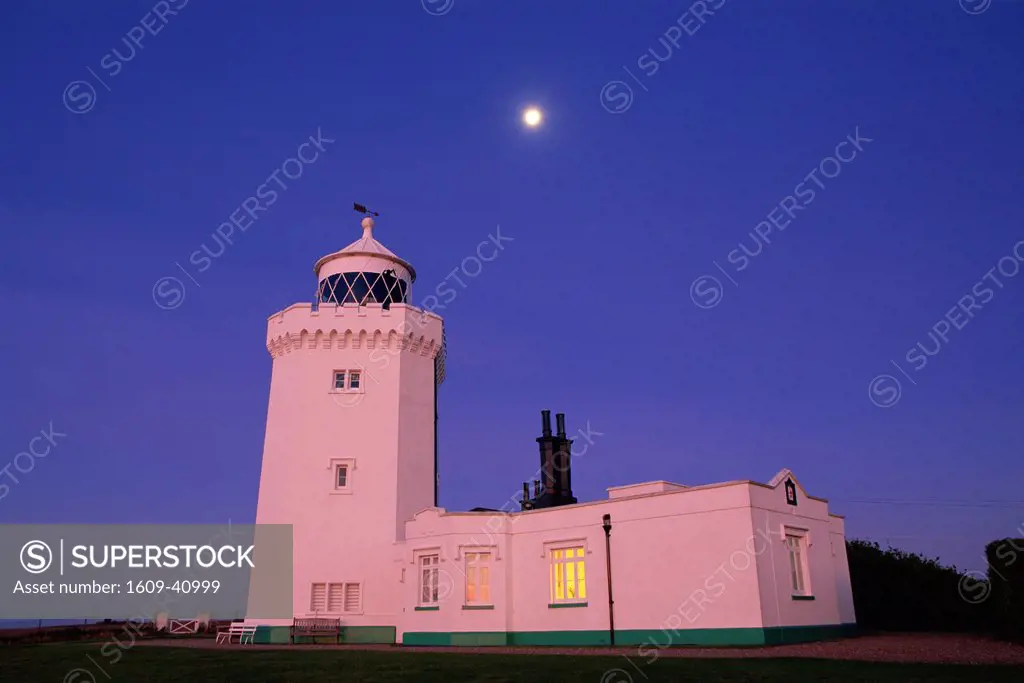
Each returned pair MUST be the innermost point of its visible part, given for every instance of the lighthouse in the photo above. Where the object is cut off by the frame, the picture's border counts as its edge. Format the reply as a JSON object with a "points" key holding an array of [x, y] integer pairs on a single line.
{"points": [[350, 463], [350, 451]]}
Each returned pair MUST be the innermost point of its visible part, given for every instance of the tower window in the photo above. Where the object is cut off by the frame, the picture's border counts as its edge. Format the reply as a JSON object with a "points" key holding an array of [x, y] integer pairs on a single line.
{"points": [[347, 380], [342, 471]]}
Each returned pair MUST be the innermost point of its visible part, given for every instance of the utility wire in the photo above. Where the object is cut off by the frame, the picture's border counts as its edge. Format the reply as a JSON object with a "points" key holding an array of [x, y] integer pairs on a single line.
{"points": [[939, 503]]}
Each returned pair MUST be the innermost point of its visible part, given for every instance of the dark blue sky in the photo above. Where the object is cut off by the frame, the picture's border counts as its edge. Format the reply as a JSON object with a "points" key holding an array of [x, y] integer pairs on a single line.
{"points": [[612, 216]]}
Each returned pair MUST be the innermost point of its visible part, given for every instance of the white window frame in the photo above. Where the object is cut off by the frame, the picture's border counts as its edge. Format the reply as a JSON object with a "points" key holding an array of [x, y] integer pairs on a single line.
{"points": [[471, 560], [327, 586], [347, 387], [334, 381], [428, 577], [798, 561], [332, 466], [563, 546]]}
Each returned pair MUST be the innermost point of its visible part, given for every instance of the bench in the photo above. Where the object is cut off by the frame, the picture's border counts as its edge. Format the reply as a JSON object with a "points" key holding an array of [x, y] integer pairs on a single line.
{"points": [[244, 632], [314, 627]]}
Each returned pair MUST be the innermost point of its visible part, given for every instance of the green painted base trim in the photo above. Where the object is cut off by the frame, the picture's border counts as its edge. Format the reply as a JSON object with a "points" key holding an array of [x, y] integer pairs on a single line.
{"points": [[463, 638], [478, 607], [479, 639], [559, 605], [803, 597], [349, 634], [785, 635], [426, 638], [563, 638], [432, 608], [652, 638]]}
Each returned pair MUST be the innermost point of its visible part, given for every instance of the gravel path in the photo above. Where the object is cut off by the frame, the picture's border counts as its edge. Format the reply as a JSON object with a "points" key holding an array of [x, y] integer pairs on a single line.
{"points": [[896, 647]]}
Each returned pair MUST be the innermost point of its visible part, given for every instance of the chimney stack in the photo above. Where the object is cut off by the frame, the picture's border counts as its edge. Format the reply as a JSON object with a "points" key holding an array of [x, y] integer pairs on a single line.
{"points": [[555, 487], [545, 421]]}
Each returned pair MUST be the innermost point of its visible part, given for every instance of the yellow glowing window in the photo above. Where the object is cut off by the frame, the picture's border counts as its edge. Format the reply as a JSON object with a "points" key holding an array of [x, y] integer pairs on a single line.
{"points": [[568, 575], [478, 578]]}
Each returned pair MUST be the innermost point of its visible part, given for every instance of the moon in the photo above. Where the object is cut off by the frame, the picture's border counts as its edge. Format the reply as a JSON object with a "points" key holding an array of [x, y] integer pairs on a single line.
{"points": [[532, 117]]}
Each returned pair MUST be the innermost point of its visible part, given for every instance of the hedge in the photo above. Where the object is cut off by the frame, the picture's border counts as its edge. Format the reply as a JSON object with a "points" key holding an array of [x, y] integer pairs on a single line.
{"points": [[1006, 582]]}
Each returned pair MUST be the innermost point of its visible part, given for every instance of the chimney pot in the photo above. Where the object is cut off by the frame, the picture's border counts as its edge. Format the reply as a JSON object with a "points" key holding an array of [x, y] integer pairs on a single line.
{"points": [[545, 421], [560, 421]]}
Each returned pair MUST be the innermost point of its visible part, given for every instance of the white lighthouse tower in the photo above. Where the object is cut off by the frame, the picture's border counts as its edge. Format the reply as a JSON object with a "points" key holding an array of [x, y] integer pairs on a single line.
{"points": [[350, 451]]}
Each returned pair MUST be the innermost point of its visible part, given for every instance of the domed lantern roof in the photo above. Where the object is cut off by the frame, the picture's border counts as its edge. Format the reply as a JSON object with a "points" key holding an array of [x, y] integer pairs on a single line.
{"points": [[364, 272]]}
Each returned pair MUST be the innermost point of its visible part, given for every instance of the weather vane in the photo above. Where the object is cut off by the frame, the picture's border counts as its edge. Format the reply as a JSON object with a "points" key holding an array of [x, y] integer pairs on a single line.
{"points": [[363, 210]]}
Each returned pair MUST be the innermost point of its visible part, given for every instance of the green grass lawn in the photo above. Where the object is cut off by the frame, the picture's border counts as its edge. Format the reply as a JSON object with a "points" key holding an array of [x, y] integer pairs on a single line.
{"points": [[58, 662]]}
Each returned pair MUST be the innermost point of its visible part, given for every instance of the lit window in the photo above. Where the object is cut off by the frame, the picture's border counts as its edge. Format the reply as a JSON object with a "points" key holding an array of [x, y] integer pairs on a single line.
{"points": [[339, 380], [428, 580], [478, 578], [353, 380], [796, 543], [568, 575], [342, 479]]}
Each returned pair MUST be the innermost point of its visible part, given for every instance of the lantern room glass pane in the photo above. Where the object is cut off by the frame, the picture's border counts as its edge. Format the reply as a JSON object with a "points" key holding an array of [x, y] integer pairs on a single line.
{"points": [[362, 288]]}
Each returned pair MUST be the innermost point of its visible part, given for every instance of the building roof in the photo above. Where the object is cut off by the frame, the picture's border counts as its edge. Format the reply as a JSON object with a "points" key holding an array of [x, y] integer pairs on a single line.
{"points": [[645, 490]]}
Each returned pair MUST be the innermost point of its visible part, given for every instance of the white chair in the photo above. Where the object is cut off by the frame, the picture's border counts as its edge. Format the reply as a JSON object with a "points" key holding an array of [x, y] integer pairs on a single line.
{"points": [[244, 632]]}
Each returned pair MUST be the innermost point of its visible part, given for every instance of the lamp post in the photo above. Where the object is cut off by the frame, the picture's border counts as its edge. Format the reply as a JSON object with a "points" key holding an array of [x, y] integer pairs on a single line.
{"points": [[606, 522]]}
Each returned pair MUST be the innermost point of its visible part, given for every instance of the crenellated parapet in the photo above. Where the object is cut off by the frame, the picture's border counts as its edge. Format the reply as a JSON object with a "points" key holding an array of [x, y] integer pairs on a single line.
{"points": [[401, 328]]}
